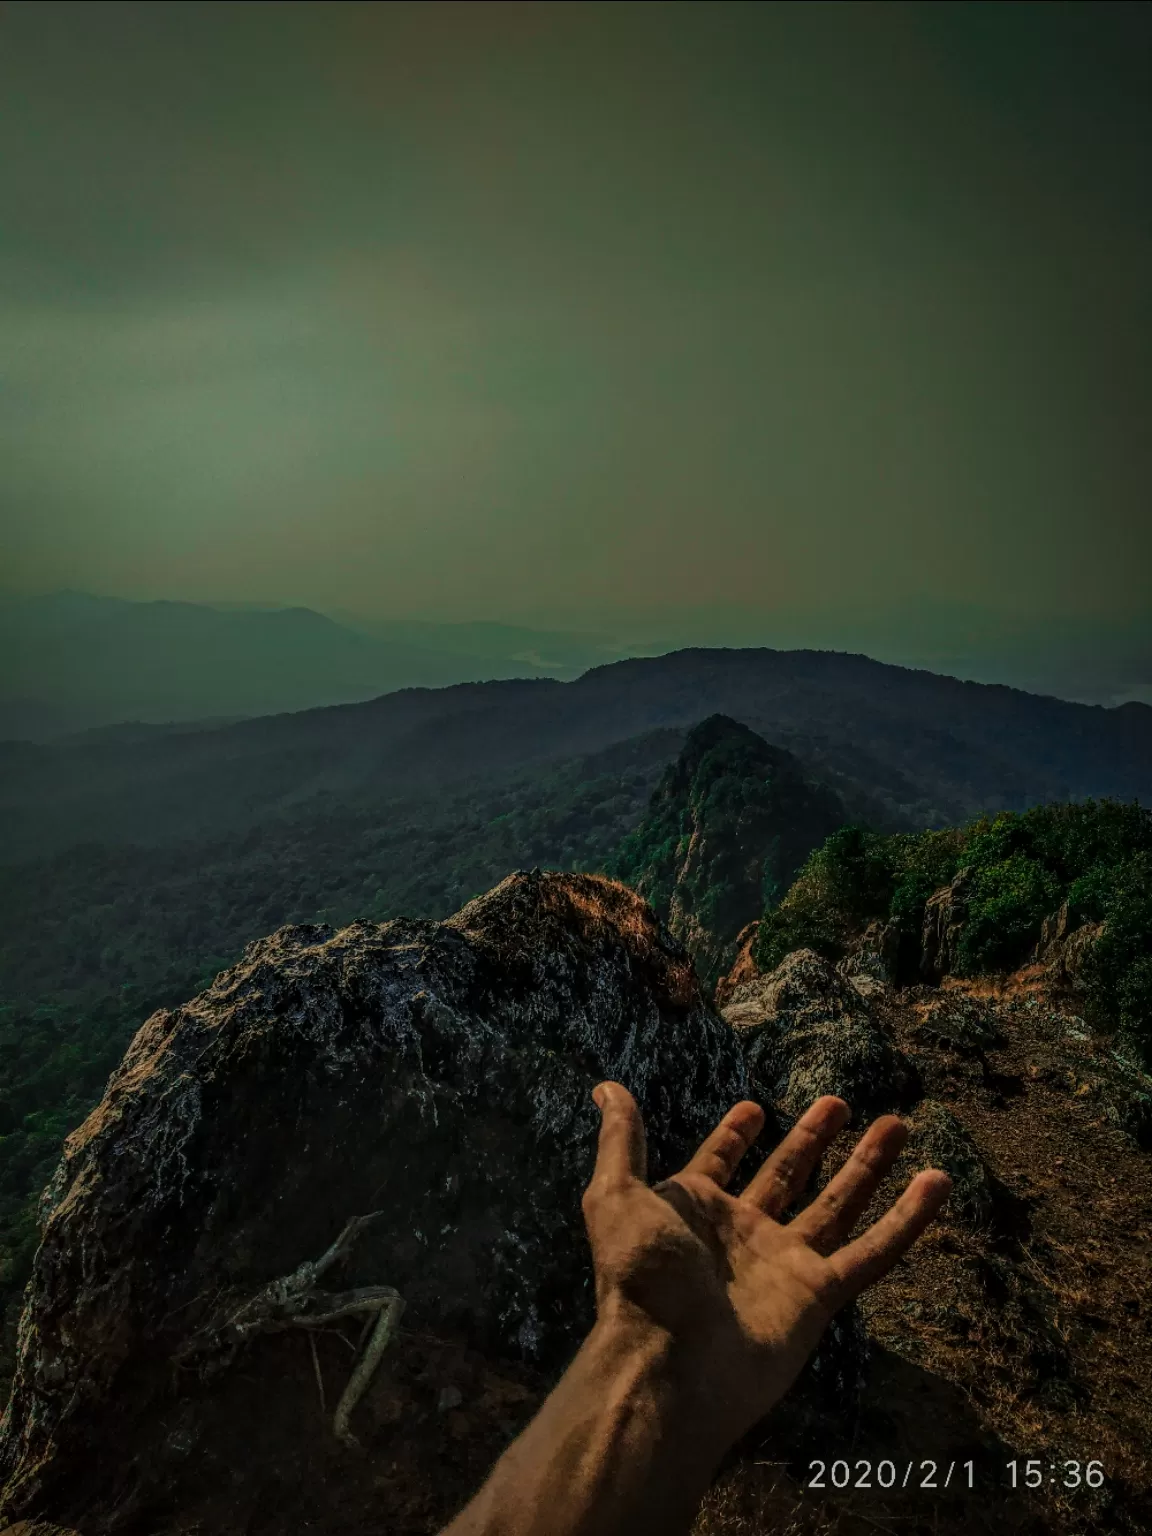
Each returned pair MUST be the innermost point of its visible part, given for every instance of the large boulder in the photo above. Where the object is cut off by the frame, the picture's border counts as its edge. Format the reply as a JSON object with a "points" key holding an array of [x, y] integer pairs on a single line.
{"points": [[435, 1073], [1066, 942], [806, 1031]]}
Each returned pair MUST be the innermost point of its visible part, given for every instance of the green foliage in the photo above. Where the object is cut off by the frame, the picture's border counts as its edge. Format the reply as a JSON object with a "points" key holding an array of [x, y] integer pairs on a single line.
{"points": [[1010, 899], [1119, 969], [922, 864], [852, 877], [1021, 867]]}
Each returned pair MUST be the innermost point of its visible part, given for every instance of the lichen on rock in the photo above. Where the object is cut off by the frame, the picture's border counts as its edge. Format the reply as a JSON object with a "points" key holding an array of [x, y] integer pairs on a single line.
{"points": [[807, 1031], [945, 914], [938, 1140]]}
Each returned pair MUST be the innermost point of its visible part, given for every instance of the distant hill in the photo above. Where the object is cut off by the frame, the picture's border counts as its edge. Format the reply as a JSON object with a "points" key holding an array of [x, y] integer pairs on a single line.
{"points": [[726, 831], [72, 661], [559, 653], [902, 748]]}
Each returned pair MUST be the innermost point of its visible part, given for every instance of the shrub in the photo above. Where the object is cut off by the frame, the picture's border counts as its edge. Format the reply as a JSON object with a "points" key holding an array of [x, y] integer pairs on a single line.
{"points": [[1119, 968], [1096, 856], [841, 885], [1009, 901]]}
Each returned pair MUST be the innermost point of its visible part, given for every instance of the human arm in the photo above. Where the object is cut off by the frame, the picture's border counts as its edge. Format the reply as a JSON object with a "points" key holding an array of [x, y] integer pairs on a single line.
{"points": [[708, 1305]]}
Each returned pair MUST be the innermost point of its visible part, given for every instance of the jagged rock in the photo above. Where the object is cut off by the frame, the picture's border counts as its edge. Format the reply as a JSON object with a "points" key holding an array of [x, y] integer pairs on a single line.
{"points": [[1056, 926], [938, 1140], [1065, 946], [437, 1073], [727, 829], [959, 1023], [945, 913], [744, 967], [803, 988], [870, 965], [807, 1031]]}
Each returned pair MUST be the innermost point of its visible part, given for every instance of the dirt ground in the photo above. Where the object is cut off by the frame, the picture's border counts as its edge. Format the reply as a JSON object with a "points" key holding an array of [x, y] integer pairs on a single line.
{"points": [[1027, 1339]]}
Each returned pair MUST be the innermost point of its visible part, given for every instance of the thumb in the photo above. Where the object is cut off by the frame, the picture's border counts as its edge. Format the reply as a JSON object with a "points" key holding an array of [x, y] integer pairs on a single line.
{"points": [[622, 1153]]}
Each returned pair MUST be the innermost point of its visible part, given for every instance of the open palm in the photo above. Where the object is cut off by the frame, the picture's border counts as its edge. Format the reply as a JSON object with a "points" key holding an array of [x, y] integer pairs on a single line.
{"points": [[740, 1294]]}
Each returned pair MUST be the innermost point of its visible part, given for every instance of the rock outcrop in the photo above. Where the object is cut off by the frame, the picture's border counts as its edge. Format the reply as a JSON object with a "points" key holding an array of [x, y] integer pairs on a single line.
{"points": [[870, 965], [807, 1031], [437, 1074], [728, 827], [744, 967], [945, 913], [1066, 942], [938, 1140]]}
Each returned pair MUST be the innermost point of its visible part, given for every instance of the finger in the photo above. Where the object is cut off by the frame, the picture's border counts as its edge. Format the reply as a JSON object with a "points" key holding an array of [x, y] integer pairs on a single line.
{"points": [[786, 1172], [720, 1153], [832, 1215], [622, 1152], [873, 1254]]}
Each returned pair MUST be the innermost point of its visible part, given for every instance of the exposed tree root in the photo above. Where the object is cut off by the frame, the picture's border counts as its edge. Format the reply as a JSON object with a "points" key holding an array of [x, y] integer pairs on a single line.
{"points": [[294, 1301]]}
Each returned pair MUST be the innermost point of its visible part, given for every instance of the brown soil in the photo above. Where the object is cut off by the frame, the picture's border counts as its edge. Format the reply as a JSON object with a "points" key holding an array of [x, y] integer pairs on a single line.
{"points": [[1028, 1340]]}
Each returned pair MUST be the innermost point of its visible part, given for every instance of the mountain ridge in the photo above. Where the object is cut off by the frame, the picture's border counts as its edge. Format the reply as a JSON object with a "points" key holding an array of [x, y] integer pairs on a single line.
{"points": [[926, 749], [76, 661]]}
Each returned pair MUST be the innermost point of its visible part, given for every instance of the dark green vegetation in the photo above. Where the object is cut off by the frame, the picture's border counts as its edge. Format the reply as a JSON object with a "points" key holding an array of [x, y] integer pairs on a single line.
{"points": [[903, 749], [728, 827], [1021, 868], [97, 938]]}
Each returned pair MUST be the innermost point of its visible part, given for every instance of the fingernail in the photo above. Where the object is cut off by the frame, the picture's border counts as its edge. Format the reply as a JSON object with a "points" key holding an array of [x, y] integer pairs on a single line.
{"points": [[598, 1095]]}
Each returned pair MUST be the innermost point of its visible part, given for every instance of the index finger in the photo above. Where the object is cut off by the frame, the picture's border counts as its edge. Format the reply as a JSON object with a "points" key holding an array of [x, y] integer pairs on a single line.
{"points": [[622, 1151]]}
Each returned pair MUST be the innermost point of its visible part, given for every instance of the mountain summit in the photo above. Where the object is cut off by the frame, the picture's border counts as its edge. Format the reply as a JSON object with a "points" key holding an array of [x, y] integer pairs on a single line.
{"points": [[727, 829]]}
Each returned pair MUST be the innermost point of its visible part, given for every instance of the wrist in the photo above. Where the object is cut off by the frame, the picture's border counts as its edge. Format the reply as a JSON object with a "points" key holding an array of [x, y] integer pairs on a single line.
{"points": [[667, 1378]]}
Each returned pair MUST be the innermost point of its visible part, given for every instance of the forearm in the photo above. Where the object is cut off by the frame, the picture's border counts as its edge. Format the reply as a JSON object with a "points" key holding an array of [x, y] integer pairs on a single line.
{"points": [[618, 1446]]}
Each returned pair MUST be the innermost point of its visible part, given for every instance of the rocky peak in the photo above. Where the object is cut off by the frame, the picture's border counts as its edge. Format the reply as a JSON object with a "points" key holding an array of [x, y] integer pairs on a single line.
{"points": [[728, 826]]}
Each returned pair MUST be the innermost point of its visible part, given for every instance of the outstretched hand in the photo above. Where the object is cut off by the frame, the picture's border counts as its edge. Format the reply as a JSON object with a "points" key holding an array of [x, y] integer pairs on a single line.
{"points": [[742, 1294], [707, 1307]]}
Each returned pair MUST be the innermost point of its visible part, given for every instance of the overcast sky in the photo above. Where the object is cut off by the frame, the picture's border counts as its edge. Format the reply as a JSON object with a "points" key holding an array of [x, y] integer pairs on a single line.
{"points": [[572, 312]]}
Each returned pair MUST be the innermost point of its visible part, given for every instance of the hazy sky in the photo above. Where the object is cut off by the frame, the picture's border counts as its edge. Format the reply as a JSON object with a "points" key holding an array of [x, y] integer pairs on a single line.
{"points": [[570, 311]]}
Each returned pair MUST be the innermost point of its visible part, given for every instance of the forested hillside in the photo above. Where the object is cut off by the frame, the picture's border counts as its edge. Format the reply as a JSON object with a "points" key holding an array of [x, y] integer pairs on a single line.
{"points": [[726, 831], [96, 938], [904, 748]]}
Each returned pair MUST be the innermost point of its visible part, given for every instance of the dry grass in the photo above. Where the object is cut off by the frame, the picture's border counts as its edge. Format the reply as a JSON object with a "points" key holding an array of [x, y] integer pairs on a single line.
{"points": [[1029, 1339]]}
